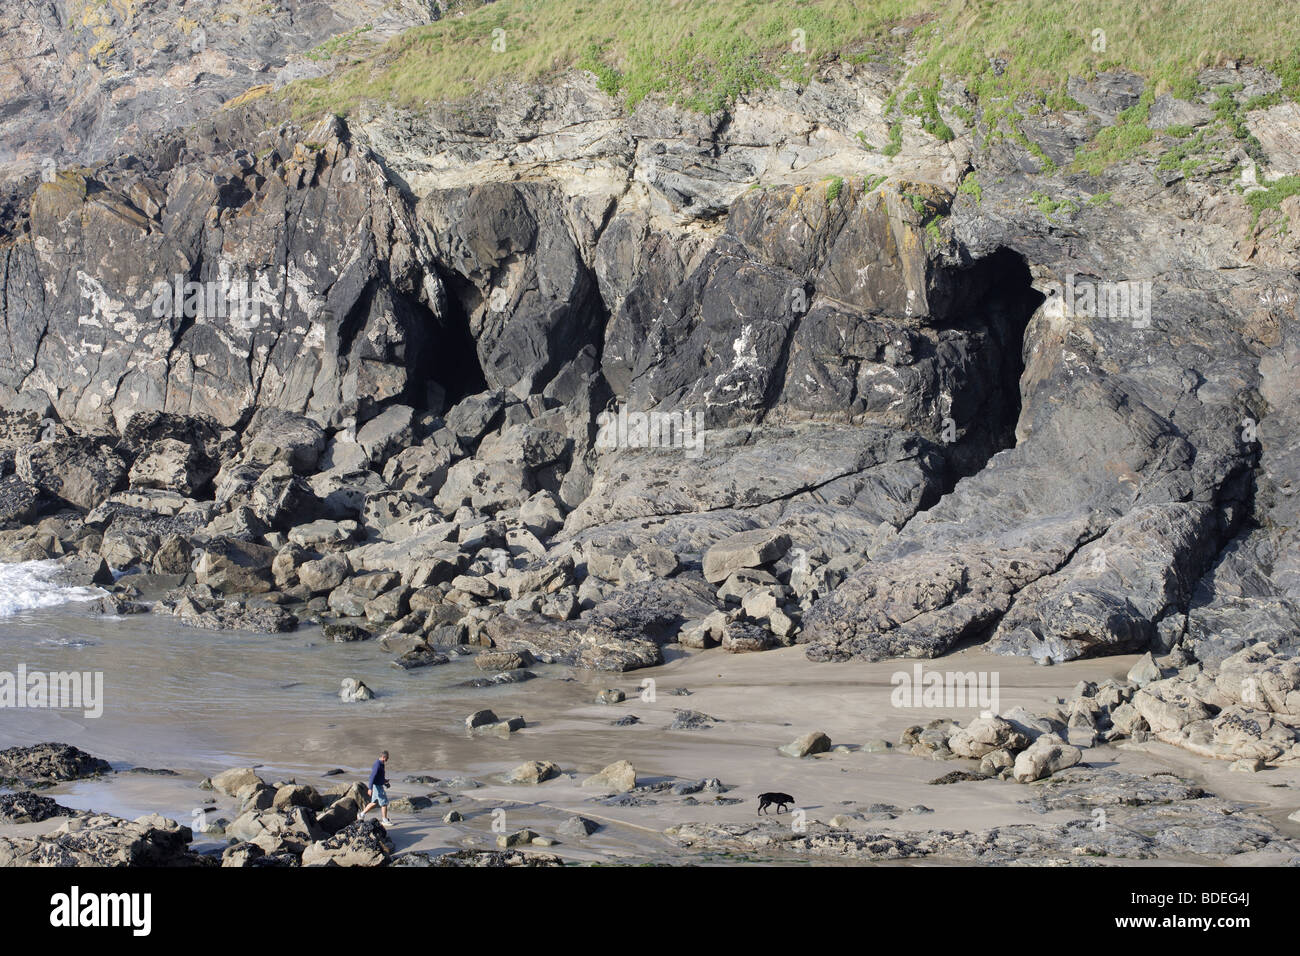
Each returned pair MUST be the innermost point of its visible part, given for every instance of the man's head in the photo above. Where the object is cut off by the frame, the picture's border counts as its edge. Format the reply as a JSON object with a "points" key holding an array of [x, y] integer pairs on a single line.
{"points": [[384, 756]]}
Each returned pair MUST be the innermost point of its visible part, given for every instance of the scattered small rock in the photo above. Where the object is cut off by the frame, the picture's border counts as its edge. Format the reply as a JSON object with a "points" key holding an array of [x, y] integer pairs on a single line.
{"points": [[533, 772], [618, 777], [814, 742], [353, 690]]}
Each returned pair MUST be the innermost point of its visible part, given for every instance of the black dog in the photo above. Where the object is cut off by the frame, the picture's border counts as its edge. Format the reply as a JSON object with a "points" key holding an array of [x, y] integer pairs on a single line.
{"points": [[781, 800]]}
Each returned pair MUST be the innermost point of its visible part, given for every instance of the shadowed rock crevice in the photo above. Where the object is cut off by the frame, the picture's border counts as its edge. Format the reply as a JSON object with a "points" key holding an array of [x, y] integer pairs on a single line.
{"points": [[520, 276], [452, 358], [992, 303]]}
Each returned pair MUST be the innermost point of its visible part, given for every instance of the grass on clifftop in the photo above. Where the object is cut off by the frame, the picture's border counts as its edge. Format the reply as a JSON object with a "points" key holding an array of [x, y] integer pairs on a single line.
{"points": [[702, 54], [705, 52]]}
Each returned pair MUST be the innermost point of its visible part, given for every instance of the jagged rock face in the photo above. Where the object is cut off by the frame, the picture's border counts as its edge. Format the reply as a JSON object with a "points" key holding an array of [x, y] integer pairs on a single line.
{"points": [[1132, 468], [222, 284], [530, 299], [833, 307], [84, 80], [888, 375]]}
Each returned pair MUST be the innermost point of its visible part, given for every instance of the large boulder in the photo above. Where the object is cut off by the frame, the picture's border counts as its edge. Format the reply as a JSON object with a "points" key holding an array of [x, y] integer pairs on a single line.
{"points": [[172, 465], [349, 599], [28, 807], [533, 772], [1256, 677], [364, 843], [618, 777], [297, 795], [486, 487], [18, 500], [744, 637], [983, 735], [101, 840], [235, 566], [1047, 755], [473, 416], [275, 435], [50, 763], [79, 471], [324, 574], [1167, 706], [812, 743], [277, 831], [420, 470], [352, 691], [341, 492], [231, 781], [387, 433], [425, 557]]}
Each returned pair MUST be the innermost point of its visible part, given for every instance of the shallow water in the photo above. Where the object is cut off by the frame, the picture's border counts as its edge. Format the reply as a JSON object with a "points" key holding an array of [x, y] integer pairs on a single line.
{"points": [[182, 696], [30, 585], [199, 701]]}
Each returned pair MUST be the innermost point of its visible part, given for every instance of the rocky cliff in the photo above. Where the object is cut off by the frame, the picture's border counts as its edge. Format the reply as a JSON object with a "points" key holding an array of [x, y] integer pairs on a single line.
{"points": [[414, 366]]}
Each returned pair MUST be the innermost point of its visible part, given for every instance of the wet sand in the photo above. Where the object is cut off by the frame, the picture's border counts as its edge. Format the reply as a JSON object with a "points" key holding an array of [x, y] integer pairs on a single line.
{"points": [[198, 702]]}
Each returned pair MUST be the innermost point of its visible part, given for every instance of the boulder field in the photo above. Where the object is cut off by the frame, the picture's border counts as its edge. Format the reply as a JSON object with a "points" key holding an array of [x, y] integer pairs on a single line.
{"points": [[536, 373]]}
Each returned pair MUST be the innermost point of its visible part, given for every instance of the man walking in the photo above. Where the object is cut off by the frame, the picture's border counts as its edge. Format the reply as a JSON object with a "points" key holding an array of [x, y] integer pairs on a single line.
{"points": [[378, 797]]}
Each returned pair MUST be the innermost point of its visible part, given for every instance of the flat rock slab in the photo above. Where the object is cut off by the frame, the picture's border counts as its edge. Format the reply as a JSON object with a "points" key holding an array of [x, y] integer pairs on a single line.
{"points": [[749, 549]]}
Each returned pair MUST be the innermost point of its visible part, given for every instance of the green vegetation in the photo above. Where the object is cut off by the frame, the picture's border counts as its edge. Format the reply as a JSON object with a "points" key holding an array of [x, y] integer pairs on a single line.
{"points": [[1272, 195], [833, 188], [918, 203], [1206, 149], [1192, 155], [929, 216], [608, 79], [932, 232], [337, 45], [924, 104], [1233, 117], [895, 144], [971, 187], [1125, 139], [701, 54], [1013, 57], [1050, 207]]}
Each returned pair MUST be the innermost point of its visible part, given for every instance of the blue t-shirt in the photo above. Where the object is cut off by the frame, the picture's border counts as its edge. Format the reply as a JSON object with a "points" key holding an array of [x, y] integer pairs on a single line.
{"points": [[377, 777]]}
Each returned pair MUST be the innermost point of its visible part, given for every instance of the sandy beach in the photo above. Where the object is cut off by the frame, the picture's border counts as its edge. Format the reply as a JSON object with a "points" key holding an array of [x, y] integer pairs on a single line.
{"points": [[269, 701]]}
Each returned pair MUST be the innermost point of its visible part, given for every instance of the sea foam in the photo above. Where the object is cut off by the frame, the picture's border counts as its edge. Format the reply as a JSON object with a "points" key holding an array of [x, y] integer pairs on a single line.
{"points": [[33, 584]]}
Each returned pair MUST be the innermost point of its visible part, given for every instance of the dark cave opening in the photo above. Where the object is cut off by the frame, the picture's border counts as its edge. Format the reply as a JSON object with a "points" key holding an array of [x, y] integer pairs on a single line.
{"points": [[990, 303], [451, 354]]}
